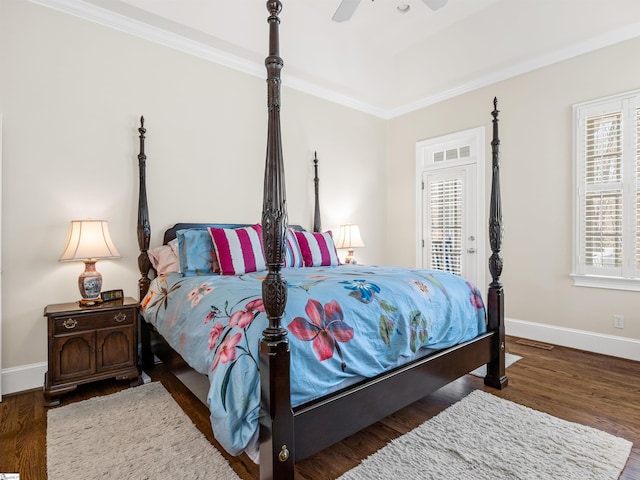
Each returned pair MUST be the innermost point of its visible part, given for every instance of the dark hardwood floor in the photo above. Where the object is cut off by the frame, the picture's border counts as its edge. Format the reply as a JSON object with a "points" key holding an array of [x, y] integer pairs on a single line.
{"points": [[595, 390]]}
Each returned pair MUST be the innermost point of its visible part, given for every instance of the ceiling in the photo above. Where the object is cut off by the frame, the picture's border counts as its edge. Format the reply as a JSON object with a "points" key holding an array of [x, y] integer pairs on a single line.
{"points": [[382, 61]]}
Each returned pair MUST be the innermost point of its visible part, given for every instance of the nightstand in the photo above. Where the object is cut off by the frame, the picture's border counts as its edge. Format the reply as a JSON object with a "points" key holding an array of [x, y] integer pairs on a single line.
{"points": [[90, 343]]}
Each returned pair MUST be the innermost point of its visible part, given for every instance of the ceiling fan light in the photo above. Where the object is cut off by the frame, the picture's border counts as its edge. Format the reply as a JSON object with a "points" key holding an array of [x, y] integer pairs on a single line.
{"points": [[403, 7], [435, 4]]}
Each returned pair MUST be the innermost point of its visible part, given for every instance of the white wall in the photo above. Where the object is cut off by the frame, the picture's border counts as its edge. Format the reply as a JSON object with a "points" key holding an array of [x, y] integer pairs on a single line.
{"points": [[72, 93], [536, 134]]}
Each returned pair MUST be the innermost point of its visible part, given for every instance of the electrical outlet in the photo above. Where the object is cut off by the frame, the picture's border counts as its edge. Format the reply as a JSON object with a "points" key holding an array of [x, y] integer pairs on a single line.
{"points": [[618, 321]]}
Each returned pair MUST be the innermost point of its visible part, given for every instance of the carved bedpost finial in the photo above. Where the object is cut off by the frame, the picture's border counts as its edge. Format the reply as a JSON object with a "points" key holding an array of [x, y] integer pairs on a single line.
{"points": [[273, 62], [274, 7], [141, 156]]}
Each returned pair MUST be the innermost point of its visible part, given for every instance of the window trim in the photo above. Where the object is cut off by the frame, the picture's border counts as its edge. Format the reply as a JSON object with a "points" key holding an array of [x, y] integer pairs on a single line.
{"points": [[581, 275], [601, 281]]}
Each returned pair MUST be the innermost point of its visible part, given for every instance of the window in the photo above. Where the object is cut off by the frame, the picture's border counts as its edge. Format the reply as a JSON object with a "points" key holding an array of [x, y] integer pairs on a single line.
{"points": [[607, 193]]}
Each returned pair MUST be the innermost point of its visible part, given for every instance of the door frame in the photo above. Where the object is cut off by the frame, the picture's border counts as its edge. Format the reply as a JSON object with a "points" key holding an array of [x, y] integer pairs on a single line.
{"points": [[475, 137], [0, 256]]}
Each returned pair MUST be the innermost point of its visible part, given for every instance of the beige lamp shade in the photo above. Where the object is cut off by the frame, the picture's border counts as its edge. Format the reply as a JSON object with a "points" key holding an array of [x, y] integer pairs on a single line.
{"points": [[349, 238], [89, 239]]}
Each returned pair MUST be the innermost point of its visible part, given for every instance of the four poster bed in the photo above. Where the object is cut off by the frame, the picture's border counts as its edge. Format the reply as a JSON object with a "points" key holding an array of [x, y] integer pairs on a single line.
{"points": [[302, 352]]}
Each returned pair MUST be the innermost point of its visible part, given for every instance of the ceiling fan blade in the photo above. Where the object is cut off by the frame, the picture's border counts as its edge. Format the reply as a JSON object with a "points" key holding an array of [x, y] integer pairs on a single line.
{"points": [[345, 10], [435, 4]]}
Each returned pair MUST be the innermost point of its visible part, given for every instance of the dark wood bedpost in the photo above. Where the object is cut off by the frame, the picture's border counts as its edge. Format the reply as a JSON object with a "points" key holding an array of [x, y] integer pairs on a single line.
{"points": [[317, 223], [277, 457], [144, 239], [144, 228], [495, 302]]}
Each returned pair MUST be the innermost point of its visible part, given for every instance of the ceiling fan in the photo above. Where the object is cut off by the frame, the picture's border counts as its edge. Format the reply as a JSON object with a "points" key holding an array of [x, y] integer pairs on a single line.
{"points": [[347, 7]]}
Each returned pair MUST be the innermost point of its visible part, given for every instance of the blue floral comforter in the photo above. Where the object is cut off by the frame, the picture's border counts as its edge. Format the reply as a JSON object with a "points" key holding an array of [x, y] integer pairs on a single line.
{"points": [[344, 323]]}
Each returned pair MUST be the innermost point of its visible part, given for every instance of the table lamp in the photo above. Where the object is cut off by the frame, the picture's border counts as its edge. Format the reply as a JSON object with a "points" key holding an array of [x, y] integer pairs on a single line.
{"points": [[349, 238], [89, 241]]}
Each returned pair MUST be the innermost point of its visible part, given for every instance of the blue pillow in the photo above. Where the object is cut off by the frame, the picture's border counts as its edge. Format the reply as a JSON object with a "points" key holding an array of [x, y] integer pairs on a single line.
{"points": [[196, 253]]}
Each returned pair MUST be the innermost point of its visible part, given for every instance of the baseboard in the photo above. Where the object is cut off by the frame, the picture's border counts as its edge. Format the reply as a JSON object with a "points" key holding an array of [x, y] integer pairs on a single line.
{"points": [[25, 377], [580, 339]]}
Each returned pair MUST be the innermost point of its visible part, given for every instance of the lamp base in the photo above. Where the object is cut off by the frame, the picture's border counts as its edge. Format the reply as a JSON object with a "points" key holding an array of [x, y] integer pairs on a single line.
{"points": [[90, 284], [91, 302], [350, 258]]}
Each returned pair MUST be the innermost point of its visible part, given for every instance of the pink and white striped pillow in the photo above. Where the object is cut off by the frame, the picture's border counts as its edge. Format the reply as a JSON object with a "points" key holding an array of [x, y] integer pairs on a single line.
{"points": [[292, 253], [318, 249], [239, 250]]}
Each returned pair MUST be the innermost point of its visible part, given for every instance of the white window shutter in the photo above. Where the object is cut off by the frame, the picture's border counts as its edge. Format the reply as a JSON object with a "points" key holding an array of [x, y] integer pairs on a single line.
{"points": [[607, 208], [603, 191], [637, 262], [445, 200]]}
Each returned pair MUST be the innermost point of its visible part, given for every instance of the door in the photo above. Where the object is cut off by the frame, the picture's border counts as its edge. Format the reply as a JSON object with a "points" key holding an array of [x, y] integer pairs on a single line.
{"points": [[451, 205]]}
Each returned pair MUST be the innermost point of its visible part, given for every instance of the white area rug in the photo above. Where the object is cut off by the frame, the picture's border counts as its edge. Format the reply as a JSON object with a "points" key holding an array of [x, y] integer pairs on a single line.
{"points": [[138, 433], [483, 437], [142, 433], [509, 359]]}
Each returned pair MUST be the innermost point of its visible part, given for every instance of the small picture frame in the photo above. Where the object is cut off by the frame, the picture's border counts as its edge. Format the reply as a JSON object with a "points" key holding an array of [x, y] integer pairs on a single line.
{"points": [[111, 295]]}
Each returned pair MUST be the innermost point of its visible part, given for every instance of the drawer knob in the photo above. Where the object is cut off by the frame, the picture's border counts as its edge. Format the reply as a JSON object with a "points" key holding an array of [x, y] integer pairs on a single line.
{"points": [[120, 317], [70, 323], [283, 456]]}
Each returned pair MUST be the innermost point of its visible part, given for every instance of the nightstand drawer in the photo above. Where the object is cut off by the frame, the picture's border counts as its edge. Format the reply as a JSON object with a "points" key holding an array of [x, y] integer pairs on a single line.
{"points": [[91, 321]]}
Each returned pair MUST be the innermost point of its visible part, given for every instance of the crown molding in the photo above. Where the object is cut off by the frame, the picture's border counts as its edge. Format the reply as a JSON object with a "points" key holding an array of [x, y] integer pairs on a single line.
{"points": [[595, 43], [122, 23], [334, 96], [116, 21]]}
